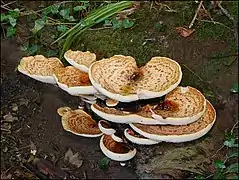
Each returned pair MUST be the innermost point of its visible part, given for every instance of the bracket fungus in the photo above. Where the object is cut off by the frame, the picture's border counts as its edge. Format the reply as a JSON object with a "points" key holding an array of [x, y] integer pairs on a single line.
{"points": [[119, 78], [80, 60], [40, 68], [78, 122]]}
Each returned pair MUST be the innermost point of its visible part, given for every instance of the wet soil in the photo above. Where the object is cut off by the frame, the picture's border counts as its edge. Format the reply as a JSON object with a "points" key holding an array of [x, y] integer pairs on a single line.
{"points": [[39, 124]]}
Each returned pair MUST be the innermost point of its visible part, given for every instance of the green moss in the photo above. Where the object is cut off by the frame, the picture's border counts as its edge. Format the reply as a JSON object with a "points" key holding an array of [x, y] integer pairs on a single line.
{"points": [[129, 42]]}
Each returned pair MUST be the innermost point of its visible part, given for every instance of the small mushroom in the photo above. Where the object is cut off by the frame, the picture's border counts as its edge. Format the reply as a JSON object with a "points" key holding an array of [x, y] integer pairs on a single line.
{"points": [[105, 127], [138, 139], [62, 110], [114, 150], [111, 102], [79, 122]]}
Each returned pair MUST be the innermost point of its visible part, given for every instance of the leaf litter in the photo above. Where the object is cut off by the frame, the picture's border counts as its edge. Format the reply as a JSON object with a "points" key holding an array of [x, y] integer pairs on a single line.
{"points": [[74, 159]]}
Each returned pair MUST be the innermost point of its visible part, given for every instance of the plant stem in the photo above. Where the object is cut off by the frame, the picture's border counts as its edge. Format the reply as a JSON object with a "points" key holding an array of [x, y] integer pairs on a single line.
{"points": [[194, 18], [215, 22]]}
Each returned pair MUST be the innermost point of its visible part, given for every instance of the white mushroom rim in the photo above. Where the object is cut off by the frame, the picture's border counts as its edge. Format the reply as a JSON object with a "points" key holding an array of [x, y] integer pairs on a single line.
{"points": [[116, 156], [127, 118], [140, 94], [180, 120], [75, 91], [76, 65], [107, 131], [84, 135], [177, 138], [44, 79], [137, 140]]}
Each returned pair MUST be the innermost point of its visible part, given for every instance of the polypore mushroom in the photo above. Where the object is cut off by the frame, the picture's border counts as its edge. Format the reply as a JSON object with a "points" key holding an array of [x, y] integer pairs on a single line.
{"points": [[105, 127], [111, 102], [177, 134], [80, 60], [138, 139], [40, 68], [79, 122], [74, 81], [116, 149], [120, 79], [181, 106], [144, 116]]}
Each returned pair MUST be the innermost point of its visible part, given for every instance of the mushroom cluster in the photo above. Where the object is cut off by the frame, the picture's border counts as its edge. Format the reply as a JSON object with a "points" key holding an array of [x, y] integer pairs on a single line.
{"points": [[149, 99]]}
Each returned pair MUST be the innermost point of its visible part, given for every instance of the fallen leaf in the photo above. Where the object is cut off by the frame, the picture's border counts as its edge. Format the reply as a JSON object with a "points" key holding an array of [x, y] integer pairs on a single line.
{"points": [[203, 13], [73, 158], [184, 32]]}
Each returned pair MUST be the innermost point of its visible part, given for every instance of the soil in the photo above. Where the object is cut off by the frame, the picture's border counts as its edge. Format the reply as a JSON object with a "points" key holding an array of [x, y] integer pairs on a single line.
{"points": [[39, 126]]}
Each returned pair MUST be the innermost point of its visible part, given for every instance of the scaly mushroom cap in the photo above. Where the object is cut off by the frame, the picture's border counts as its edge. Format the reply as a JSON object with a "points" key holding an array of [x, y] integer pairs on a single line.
{"points": [[181, 106], [73, 81], [144, 116], [119, 77], [79, 122], [138, 139], [114, 150], [183, 133], [80, 60], [40, 68]]}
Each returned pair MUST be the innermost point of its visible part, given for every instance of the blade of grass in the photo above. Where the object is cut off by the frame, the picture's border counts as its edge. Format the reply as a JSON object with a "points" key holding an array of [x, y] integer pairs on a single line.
{"points": [[93, 15], [93, 21]]}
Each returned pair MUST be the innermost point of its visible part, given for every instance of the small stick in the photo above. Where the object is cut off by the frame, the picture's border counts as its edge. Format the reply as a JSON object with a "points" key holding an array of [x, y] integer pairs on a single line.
{"points": [[194, 18], [226, 13], [6, 8], [8, 3], [193, 73], [215, 22], [234, 127]]}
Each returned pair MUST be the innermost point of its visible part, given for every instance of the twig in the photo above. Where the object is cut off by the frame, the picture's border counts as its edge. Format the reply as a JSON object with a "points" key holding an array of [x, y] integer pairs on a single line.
{"points": [[226, 13], [8, 3], [95, 29], [6, 8], [215, 22], [85, 175], [218, 150], [194, 18], [234, 127], [193, 73]]}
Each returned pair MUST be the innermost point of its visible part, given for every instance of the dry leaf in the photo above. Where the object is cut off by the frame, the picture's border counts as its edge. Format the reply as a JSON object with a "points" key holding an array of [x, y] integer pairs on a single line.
{"points": [[203, 13], [184, 32], [73, 158]]}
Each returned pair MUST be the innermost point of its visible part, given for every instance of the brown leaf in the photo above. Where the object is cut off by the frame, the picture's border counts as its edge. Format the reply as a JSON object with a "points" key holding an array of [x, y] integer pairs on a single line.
{"points": [[184, 32], [73, 158], [203, 13]]}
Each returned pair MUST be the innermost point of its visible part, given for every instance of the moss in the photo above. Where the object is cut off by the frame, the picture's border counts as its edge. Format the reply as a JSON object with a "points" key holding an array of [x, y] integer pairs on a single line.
{"points": [[131, 41]]}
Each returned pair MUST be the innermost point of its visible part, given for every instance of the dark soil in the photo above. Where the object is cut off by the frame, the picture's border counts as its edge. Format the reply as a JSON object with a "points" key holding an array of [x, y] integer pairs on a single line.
{"points": [[39, 124]]}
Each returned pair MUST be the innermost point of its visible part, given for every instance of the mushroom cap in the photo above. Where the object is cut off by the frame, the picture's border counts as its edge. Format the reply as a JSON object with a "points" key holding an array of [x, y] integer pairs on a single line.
{"points": [[119, 77], [79, 122], [177, 134], [114, 150], [184, 105], [138, 139], [117, 116], [74, 81], [111, 102], [80, 60], [105, 127], [40, 68]]}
